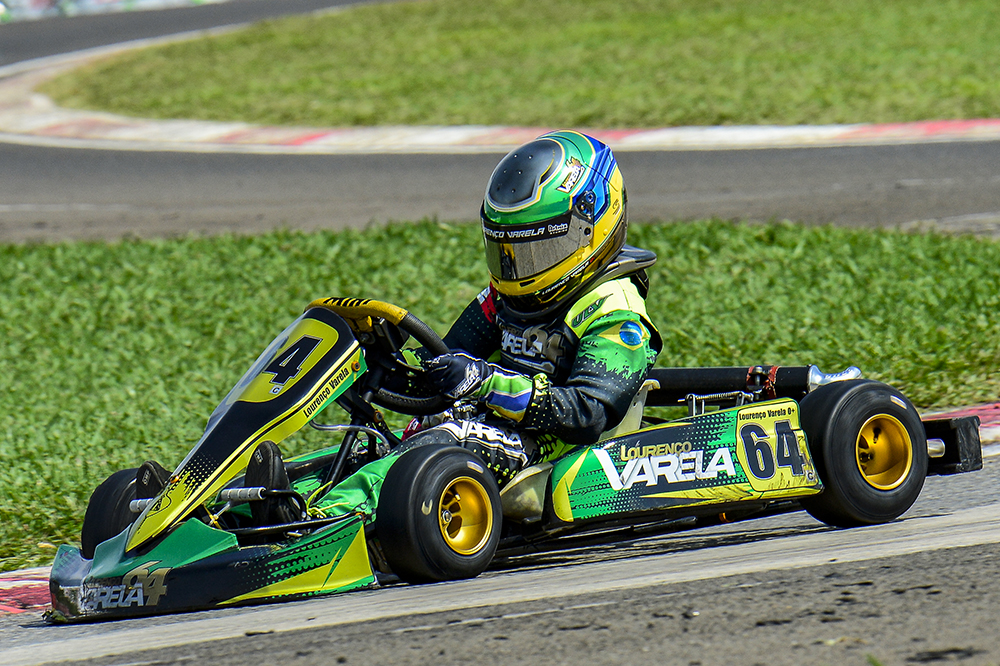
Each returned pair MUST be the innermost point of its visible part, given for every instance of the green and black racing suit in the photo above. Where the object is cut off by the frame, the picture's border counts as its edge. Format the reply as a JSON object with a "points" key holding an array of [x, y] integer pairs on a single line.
{"points": [[555, 384]]}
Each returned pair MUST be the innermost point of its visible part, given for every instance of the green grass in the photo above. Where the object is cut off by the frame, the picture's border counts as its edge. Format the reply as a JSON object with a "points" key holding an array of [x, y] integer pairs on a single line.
{"points": [[115, 353], [579, 63]]}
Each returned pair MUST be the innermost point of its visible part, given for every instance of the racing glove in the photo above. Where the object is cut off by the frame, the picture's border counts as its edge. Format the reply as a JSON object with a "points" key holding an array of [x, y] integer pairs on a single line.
{"points": [[457, 375]]}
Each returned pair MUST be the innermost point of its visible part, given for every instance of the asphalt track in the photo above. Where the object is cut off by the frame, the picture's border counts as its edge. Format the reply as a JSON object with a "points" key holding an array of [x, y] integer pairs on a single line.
{"points": [[38, 39], [779, 590], [56, 193]]}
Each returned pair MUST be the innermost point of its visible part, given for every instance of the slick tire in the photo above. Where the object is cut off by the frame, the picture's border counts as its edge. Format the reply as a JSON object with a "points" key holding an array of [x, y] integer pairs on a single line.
{"points": [[870, 451], [439, 515], [108, 511]]}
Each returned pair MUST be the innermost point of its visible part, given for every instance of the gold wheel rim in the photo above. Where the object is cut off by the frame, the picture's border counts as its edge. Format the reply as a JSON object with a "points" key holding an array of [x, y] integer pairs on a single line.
{"points": [[884, 452], [465, 515]]}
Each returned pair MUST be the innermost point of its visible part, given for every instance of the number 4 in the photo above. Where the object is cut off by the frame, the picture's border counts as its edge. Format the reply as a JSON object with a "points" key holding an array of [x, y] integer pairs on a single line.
{"points": [[787, 451], [288, 363]]}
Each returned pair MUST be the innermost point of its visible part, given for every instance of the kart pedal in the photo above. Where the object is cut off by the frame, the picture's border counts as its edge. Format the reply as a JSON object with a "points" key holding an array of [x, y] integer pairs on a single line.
{"points": [[150, 479], [267, 470]]}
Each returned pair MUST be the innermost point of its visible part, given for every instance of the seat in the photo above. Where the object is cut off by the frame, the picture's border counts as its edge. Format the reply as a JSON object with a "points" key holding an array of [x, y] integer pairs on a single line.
{"points": [[633, 417]]}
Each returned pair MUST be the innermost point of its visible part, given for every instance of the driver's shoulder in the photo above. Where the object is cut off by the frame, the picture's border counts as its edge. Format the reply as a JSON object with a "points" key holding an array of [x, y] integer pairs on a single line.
{"points": [[613, 297]]}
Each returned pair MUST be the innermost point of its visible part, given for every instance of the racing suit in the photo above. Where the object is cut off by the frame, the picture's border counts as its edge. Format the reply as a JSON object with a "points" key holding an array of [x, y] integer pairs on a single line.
{"points": [[554, 384]]}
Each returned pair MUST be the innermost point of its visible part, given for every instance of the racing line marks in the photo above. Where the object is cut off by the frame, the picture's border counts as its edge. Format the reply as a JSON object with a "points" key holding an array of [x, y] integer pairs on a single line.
{"points": [[967, 527], [496, 618]]}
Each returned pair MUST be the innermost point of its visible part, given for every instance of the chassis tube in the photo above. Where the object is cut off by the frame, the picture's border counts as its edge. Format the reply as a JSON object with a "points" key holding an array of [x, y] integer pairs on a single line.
{"points": [[772, 380]]}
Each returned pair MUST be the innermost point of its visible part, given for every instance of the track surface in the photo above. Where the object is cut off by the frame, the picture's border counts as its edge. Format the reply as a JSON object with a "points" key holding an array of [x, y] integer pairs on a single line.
{"points": [[51, 194], [56, 194], [922, 590], [36, 39], [786, 587]]}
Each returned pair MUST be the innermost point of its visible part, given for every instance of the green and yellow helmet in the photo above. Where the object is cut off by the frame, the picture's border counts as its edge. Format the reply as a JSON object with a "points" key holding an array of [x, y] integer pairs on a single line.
{"points": [[553, 219]]}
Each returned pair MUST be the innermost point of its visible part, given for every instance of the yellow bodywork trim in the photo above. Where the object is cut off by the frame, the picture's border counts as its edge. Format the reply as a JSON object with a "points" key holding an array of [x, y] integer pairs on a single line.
{"points": [[560, 496], [801, 491], [361, 310], [734, 493], [347, 567], [262, 388], [179, 498]]}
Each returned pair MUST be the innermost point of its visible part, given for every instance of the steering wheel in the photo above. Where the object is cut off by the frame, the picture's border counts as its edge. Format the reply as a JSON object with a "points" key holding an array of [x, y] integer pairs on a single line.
{"points": [[359, 314]]}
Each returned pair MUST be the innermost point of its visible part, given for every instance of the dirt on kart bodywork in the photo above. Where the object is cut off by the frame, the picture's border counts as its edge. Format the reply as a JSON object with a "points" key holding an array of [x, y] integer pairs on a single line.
{"points": [[193, 546]]}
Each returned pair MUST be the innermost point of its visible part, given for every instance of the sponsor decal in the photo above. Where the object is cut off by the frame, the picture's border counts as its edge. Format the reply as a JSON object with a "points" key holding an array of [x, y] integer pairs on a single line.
{"points": [[318, 401], [482, 432], [687, 465], [763, 414], [630, 452], [471, 380], [576, 169], [489, 437], [589, 312], [138, 588], [528, 232], [331, 386], [532, 342]]}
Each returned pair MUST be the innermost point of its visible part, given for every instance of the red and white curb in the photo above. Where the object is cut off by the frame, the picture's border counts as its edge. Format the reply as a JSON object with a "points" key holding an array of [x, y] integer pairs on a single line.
{"points": [[29, 118], [989, 424], [24, 591]]}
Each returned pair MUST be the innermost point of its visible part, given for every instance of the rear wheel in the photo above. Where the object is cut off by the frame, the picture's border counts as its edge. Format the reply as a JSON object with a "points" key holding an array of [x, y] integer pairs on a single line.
{"points": [[439, 515], [870, 451], [108, 511]]}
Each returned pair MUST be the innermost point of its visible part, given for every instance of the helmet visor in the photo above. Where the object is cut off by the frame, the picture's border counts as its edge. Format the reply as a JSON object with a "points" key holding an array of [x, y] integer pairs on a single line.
{"points": [[516, 252]]}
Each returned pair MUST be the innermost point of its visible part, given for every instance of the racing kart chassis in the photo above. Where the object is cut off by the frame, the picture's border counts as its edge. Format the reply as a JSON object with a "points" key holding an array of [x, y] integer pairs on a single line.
{"points": [[848, 450]]}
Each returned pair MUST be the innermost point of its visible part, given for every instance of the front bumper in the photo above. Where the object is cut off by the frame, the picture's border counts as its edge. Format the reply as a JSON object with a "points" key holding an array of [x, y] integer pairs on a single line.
{"points": [[198, 567]]}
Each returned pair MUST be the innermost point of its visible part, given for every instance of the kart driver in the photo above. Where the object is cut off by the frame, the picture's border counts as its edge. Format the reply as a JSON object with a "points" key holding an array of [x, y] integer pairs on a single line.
{"points": [[556, 347]]}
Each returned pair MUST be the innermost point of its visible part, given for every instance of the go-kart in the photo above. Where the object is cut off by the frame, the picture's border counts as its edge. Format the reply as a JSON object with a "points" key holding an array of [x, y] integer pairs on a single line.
{"points": [[849, 451]]}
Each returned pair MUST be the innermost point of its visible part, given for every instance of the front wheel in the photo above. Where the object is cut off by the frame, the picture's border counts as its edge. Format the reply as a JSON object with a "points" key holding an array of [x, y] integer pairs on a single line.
{"points": [[439, 515], [870, 451], [108, 511]]}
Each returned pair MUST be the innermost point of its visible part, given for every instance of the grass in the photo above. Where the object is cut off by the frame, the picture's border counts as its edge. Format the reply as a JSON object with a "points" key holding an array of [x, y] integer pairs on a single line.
{"points": [[116, 353], [579, 63]]}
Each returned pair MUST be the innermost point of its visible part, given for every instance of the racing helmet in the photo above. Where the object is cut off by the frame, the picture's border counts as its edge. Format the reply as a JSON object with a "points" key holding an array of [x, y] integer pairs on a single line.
{"points": [[553, 218]]}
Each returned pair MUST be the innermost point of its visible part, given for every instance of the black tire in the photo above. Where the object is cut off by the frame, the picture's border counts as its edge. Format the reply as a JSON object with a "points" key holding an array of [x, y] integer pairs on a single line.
{"points": [[870, 451], [108, 511], [419, 522]]}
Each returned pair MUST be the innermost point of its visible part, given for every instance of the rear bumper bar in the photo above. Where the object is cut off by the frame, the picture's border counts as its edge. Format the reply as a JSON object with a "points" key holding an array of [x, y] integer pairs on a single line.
{"points": [[963, 451]]}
